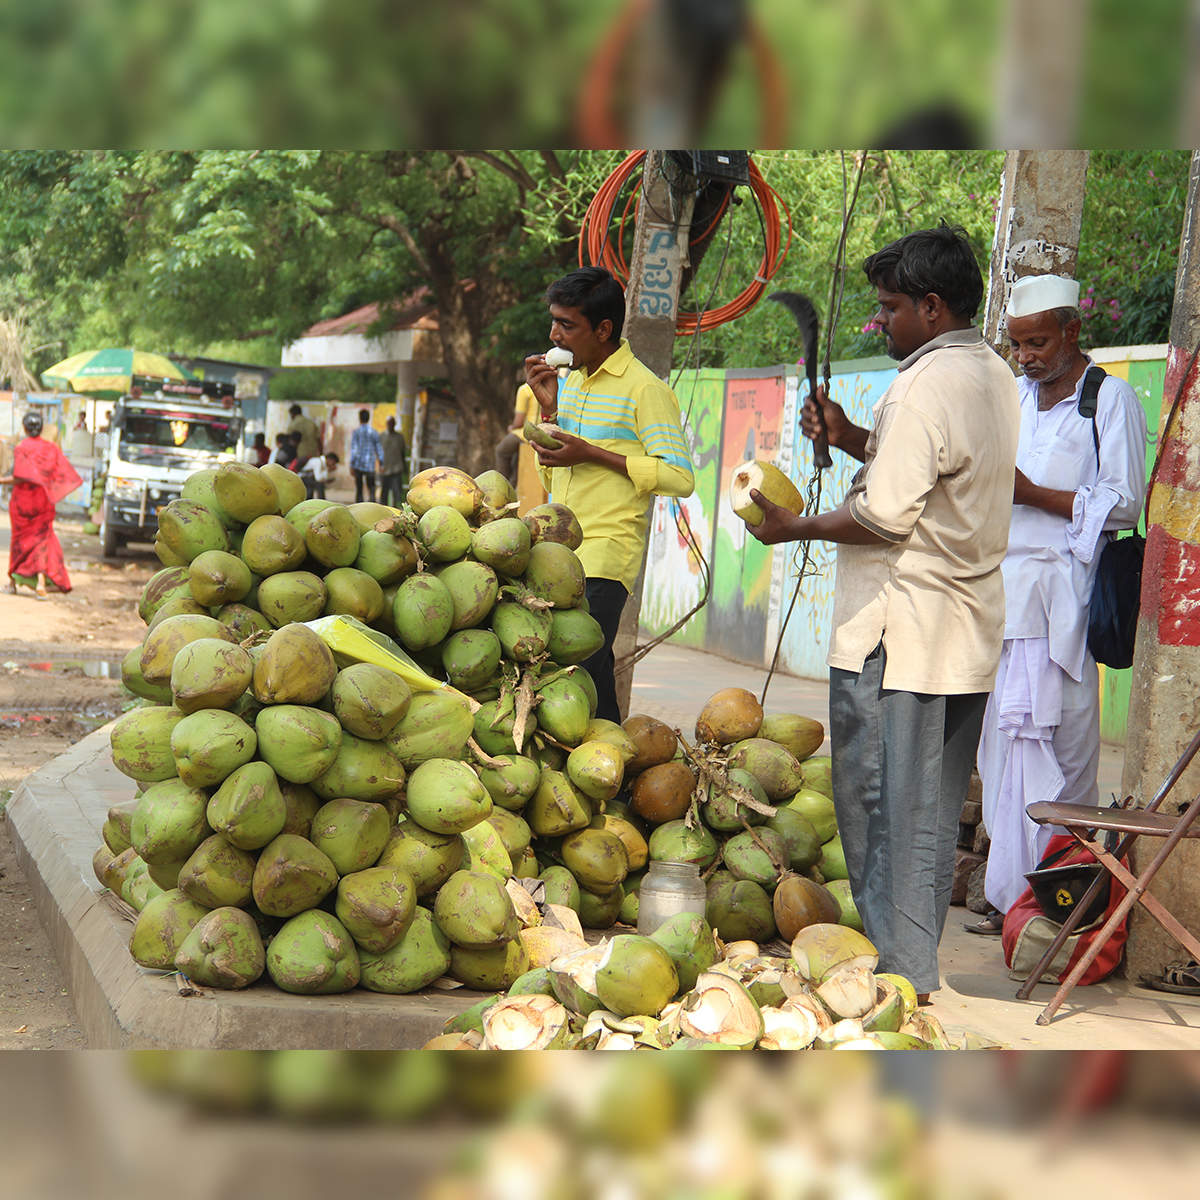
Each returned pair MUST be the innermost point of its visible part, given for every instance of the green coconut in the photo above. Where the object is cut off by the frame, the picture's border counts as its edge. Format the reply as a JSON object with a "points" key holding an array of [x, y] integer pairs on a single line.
{"points": [[116, 830], [673, 841], [759, 855], [596, 858], [187, 529], [289, 487], [354, 593], [739, 909], [376, 905], [386, 558], [429, 859], [272, 545], [131, 677], [209, 673], [555, 573], [725, 809], [444, 533], [445, 796], [163, 585], [556, 808], [598, 911], [474, 911], [565, 709], [332, 537], [688, 938], [843, 897], [636, 975], [352, 833], [244, 492], [168, 822], [248, 808], [524, 633], [162, 924], [473, 588], [362, 770], [242, 620], [217, 577], [554, 523], [301, 804], [491, 968], [419, 956], [291, 875], [574, 636], [298, 741], [294, 667], [637, 850], [313, 955], [423, 611], [799, 836], [774, 767], [800, 735], [223, 950], [832, 863], [818, 808], [370, 700], [436, 725], [561, 887], [486, 852], [503, 545], [211, 744], [511, 781], [471, 657], [141, 743], [512, 830], [170, 636], [217, 874], [600, 730], [291, 596], [817, 773]]}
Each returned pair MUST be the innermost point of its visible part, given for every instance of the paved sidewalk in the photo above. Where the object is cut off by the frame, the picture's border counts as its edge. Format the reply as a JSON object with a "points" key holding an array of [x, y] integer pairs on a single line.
{"points": [[672, 684]]}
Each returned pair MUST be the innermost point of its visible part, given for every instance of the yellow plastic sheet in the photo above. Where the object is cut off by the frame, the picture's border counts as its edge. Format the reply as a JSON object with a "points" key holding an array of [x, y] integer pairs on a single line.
{"points": [[351, 641]]}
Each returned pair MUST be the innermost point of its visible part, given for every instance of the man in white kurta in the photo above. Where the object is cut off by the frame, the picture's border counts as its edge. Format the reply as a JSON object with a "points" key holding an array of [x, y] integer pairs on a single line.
{"points": [[1041, 729]]}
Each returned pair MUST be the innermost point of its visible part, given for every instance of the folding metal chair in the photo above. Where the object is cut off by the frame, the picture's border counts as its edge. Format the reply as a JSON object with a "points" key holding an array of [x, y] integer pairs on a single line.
{"points": [[1083, 822]]}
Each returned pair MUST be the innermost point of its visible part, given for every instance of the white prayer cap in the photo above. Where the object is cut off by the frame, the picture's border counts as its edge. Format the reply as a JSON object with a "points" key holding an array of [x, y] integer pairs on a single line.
{"points": [[1040, 293]]}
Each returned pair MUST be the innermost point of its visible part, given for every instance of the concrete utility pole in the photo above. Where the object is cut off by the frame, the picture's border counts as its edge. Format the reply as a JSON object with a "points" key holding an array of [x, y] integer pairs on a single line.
{"points": [[1164, 704], [1037, 225], [660, 251]]}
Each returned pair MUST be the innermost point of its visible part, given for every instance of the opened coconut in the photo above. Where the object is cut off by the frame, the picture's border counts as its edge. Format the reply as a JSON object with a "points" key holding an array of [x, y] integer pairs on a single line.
{"points": [[768, 479]]}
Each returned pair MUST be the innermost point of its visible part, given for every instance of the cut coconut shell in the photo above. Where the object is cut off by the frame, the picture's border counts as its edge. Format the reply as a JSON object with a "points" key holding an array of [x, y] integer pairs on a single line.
{"points": [[719, 1009], [768, 479], [533, 1022], [820, 950], [788, 1029]]}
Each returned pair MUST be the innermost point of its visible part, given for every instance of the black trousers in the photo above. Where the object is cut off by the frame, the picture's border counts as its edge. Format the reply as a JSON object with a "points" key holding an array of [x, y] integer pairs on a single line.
{"points": [[361, 477], [392, 486], [606, 600]]}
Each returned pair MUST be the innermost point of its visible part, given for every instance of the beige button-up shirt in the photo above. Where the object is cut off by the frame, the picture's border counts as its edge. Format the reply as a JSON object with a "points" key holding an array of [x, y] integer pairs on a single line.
{"points": [[937, 484]]}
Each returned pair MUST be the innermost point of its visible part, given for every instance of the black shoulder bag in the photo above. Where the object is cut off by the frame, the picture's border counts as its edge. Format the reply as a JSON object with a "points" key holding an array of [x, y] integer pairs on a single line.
{"points": [[1116, 593]]}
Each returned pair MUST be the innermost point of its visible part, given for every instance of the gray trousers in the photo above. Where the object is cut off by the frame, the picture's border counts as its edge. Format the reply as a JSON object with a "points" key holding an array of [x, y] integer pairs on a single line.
{"points": [[901, 765]]}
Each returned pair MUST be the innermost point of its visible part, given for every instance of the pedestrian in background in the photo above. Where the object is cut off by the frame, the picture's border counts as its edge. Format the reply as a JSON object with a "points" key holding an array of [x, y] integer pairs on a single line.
{"points": [[41, 477], [918, 606], [306, 431], [317, 473], [394, 477], [366, 454]]}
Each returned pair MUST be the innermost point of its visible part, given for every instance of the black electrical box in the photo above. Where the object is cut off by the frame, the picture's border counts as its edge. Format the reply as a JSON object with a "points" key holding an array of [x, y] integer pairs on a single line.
{"points": [[715, 166]]}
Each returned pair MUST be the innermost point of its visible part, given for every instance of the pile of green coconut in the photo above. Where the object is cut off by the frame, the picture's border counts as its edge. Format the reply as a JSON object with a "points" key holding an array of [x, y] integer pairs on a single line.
{"points": [[366, 754]]}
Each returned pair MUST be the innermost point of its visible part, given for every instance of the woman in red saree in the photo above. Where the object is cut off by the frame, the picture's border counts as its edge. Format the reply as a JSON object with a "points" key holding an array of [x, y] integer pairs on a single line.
{"points": [[41, 477]]}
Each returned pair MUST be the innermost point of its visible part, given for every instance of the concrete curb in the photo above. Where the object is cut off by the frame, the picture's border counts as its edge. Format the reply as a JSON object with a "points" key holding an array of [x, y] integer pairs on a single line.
{"points": [[56, 816]]}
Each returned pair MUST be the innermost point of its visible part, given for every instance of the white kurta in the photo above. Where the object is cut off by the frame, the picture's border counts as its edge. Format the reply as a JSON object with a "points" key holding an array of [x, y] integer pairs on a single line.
{"points": [[1041, 738]]}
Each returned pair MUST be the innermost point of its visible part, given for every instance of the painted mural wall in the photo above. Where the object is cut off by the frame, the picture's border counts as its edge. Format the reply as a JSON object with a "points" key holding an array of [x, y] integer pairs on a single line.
{"points": [[754, 604]]}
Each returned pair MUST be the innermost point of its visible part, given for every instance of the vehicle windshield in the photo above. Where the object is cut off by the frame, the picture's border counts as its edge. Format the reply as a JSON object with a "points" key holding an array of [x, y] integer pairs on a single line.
{"points": [[177, 431]]}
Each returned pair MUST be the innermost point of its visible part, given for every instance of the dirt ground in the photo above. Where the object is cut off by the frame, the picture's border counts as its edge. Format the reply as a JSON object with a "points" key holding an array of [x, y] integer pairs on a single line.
{"points": [[59, 680]]}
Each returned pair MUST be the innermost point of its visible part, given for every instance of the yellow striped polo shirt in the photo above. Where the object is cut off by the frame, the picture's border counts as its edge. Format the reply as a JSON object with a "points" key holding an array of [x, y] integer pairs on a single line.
{"points": [[623, 407]]}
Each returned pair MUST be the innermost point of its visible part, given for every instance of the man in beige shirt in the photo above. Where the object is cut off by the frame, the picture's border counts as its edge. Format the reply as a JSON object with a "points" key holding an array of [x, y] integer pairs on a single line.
{"points": [[919, 598]]}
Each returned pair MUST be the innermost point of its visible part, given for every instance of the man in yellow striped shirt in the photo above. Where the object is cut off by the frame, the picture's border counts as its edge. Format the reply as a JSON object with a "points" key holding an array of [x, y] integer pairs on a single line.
{"points": [[622, 443]]}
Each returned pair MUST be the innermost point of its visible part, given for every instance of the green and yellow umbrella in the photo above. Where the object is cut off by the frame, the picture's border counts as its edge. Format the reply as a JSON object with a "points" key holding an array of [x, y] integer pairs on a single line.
{"points": [[109, 370]]}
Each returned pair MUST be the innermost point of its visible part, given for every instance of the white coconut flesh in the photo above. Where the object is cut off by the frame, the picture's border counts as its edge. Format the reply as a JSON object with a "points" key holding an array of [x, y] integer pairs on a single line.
{"points": [[721, 1010], [820, 950], [849, 992], [524, 1023], [788, 1029]]}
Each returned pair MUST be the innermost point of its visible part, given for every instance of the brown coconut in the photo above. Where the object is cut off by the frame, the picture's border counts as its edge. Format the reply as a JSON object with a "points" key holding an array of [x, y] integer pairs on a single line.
{"points": [[729, 715], [799, 902], [653, 741], [663, 792]]}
